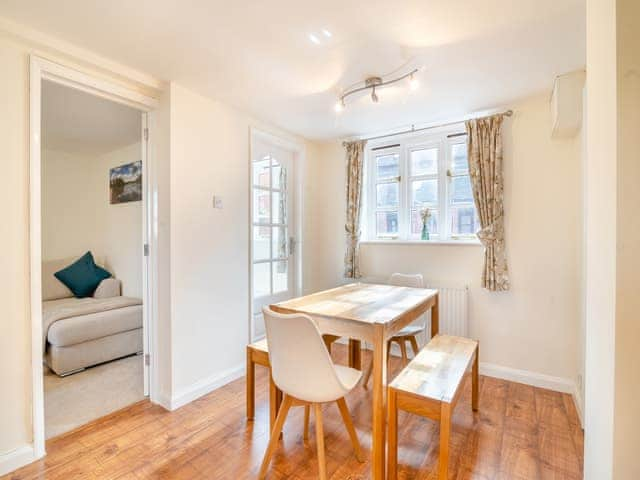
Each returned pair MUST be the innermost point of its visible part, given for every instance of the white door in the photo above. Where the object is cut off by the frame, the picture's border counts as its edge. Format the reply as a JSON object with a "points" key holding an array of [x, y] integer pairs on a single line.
{"points": [[272, 228]]}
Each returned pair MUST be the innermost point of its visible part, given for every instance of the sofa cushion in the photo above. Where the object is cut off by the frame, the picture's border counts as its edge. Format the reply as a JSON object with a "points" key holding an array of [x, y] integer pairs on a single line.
{"points": [[83, 276], [71, 331]]}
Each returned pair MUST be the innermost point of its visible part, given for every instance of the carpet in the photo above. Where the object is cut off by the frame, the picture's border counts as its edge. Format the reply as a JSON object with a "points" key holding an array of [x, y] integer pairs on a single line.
{"points": [[72, 401]]}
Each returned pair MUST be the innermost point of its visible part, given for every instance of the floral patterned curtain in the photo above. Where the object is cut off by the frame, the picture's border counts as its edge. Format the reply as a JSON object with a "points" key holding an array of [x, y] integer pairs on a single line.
{"points": [[485, 167], [355, 168]]}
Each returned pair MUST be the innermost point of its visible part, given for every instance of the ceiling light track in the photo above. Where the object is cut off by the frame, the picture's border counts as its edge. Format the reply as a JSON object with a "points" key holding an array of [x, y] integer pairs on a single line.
{"points": [[373, 83]]}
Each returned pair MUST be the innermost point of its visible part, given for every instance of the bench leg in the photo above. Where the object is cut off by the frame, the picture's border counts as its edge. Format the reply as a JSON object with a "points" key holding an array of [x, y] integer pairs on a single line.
{"points": [[355, 354], [474, 381], [414, 345], [445, 433], [392, 432], [251, 386]]}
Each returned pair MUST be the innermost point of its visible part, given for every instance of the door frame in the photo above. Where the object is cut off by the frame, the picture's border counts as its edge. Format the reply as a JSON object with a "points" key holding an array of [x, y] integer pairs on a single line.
{"points": [[299, 160], [42, 69]]}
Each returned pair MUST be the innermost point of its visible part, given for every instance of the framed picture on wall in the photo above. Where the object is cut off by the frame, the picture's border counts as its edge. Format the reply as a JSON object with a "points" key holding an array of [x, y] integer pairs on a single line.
{"points": [[125, 183]]}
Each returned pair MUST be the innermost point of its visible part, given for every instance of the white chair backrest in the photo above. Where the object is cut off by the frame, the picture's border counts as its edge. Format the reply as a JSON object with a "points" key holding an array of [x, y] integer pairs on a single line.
{"points": [[404, 280], [300, 363]]}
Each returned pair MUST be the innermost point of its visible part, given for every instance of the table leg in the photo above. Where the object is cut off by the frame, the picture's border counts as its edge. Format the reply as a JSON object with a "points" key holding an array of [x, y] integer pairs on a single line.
{"points": [[275, 400], [251, 386], [379, 407], [355, 354], [435, 318]]}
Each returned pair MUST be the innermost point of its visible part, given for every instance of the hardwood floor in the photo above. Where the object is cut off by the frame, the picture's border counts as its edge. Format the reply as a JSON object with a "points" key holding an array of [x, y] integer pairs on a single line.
{"points": [[519, 433]]}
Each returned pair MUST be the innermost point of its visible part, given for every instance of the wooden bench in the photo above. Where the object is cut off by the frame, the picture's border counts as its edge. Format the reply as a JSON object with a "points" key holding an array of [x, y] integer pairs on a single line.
{"points": [[258, 354], [430, 386]]}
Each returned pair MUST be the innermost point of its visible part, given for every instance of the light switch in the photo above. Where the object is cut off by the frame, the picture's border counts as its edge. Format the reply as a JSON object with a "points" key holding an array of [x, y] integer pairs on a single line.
{"points": [[217, 201]]}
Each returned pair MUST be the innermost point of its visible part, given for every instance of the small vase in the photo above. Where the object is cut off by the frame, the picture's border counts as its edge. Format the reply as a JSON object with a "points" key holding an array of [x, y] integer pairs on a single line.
{"points": [[425, 232]]}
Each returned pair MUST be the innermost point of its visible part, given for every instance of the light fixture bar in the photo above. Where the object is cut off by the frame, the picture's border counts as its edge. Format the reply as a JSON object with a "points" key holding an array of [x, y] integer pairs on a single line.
{"points": [[374, 83]]}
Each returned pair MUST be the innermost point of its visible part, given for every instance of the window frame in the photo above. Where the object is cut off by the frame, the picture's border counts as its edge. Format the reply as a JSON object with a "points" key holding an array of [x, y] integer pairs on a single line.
{"points": [[441, 138]]}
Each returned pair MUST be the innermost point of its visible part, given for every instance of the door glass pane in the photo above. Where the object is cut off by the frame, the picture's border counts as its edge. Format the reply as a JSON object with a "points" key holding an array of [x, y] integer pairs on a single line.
{"points": [[261, 172], [280, 276], [424, 192], [459, 163], [388, 166], [280, 242], [279, 207], [387, 224], [387, 194], [464, 221], [261, 242], [461, 190], [261, 279], [279, 175], [261, 206], [416, 223], [424, 162]]}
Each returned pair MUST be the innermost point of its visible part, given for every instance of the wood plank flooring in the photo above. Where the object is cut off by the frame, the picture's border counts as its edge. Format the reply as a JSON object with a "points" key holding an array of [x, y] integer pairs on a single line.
{"points": [[519, 433]]}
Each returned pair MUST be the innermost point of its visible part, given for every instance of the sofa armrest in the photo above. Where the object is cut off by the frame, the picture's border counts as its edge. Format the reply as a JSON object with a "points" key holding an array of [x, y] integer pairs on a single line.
{"points": [[109, 287]]}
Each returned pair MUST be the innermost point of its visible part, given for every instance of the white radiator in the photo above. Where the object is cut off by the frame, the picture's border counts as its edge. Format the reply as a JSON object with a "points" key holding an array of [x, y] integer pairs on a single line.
{"points": [[454, 310]]}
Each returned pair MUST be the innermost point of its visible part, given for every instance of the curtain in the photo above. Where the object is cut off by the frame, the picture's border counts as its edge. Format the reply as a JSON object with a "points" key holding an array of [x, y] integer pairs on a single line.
{"points": [[485, 168], [355, 168]]}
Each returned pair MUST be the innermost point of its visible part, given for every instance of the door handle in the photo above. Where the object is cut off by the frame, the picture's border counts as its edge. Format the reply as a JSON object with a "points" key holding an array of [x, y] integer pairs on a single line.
{"points": [[292, 246]]}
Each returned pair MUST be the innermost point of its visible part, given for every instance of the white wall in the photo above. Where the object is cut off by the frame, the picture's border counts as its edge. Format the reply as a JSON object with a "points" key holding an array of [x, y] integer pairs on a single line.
{"points": [[77, 215], [209, 247], [534, 326]]}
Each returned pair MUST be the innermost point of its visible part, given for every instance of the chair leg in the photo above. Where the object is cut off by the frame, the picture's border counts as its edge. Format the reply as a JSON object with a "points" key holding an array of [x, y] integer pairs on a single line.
{"points": [[414, 345], [388, 353], [305, 434], [275, 435], [367, 373], [403, 351], [322, 462], [251, 386], [346, 418]]}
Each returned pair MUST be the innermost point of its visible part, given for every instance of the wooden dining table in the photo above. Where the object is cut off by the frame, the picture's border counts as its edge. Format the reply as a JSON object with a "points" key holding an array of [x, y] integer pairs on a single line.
{"points": [[372, 313]]}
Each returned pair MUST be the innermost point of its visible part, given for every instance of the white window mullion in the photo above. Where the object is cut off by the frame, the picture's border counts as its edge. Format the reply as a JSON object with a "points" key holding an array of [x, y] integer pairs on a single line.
{"points": [[443, 192]]}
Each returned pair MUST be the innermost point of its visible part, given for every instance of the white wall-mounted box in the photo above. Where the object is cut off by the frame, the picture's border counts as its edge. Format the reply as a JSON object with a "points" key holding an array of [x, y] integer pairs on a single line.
{"points": [[566, 104]]}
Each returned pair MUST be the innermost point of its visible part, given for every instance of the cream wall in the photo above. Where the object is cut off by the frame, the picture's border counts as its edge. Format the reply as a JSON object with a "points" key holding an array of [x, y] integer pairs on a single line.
{"points": [[534, 327], [626, 435], [77, 215]]}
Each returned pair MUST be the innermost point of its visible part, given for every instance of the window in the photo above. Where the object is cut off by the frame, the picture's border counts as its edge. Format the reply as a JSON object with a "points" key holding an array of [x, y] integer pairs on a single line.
{"points": [[406, 175]]}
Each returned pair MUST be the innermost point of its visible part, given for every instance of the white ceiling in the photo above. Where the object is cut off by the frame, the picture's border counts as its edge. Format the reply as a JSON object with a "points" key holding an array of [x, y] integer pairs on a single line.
{"points": [[77, 122], [256, 55]]}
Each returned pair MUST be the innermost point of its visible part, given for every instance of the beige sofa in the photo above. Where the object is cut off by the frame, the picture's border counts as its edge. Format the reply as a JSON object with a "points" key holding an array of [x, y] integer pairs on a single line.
{"points": [[81, 332]]}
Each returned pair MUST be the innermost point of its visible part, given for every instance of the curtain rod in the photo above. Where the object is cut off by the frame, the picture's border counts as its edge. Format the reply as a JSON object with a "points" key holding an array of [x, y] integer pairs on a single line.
{"points": [[507, 113]]}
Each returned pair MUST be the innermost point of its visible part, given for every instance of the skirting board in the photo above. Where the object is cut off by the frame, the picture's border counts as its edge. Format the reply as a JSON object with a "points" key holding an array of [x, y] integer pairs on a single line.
{"points": [[17, 458], [202, 387]]}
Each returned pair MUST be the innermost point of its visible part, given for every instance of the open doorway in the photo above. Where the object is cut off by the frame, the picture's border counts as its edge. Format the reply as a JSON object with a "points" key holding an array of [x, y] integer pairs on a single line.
{"points": [[92, 249]]}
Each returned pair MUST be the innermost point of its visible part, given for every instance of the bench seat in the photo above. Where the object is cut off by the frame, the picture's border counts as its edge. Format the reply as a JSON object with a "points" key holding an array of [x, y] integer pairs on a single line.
{"points": [[430, 386]]}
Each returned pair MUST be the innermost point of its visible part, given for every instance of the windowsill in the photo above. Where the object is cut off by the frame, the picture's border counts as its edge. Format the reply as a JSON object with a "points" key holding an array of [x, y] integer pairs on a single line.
{"points": [[460, 243]]}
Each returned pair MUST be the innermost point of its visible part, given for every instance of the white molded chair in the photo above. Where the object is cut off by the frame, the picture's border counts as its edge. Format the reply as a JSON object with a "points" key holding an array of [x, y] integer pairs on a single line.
{"points": [[302, 368], [408, 333]]}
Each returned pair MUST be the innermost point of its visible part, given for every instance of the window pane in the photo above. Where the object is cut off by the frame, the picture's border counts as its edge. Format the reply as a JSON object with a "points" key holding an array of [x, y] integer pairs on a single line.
{"points": [[261, 206], [279, 242], [464, 221], [279, 175], [416, 223], [424, 192], [261, 242], [387, 224], [261, 279], [279, 207], [424, 162], [261, 172], [459, 163], [387, 194], [388, 165], [280, 276], [461, 190]]}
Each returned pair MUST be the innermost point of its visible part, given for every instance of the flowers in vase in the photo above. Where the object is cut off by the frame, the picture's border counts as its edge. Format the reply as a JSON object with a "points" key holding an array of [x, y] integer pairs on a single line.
{"points": [[425, 214]]}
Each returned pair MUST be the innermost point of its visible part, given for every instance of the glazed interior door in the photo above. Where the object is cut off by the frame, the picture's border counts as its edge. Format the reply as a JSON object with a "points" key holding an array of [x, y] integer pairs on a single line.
{"points": [[272, 240]]}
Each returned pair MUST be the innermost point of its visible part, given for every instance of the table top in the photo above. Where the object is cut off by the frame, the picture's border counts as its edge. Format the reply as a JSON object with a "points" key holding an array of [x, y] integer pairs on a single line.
{"points": [[361, 302]]}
